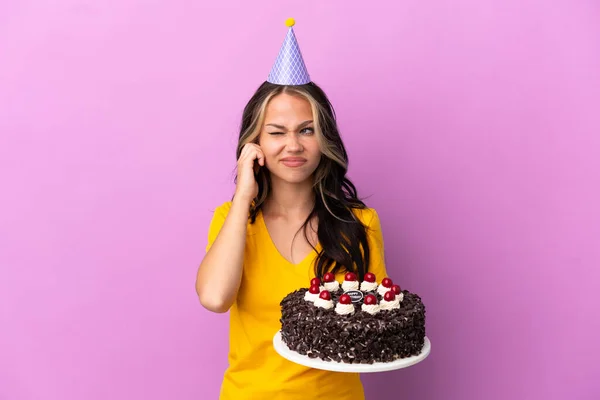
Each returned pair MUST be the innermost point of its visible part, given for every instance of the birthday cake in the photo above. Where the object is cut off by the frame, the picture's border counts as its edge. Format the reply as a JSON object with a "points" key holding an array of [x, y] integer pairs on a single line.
{"points": [[355, 322]]}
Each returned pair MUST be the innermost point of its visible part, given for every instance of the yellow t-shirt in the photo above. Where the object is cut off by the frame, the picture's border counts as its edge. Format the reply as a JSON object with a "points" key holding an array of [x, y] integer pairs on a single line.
{"points": [[255, 370]]}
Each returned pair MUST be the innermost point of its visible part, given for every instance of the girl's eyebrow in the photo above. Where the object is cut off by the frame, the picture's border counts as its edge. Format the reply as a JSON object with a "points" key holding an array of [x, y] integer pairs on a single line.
{"points": [[303, 124]]}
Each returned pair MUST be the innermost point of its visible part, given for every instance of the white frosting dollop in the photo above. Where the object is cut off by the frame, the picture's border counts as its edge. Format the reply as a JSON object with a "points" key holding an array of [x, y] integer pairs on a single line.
{"points": [[344, 309], [308, 296], [366, 286], [326, 304], [382, 290], [332, 286], [371, 308], [349, 285], [390, 305]]}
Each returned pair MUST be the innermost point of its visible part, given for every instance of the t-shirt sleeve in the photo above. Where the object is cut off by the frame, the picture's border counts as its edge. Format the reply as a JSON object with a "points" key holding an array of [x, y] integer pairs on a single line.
{"points": [[217, 222], [376, 247]]}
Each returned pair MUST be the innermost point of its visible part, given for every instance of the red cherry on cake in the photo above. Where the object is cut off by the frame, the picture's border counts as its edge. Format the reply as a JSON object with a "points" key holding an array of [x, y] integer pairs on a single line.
{"points": [[350, 276], [314, 289], [315, 282], [387, 282], [325, 295], [328, 277], [370, 299], [396, 289], [370, 277], [345, 299], [389, 296]]}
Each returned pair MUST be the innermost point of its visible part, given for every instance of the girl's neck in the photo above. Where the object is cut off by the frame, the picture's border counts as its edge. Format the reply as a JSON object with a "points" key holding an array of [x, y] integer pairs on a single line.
{"points": [[290, 199]]}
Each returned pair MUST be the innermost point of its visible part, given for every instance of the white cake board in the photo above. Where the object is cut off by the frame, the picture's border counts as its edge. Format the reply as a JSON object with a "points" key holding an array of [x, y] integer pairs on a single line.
{"points": [[283, 350]]}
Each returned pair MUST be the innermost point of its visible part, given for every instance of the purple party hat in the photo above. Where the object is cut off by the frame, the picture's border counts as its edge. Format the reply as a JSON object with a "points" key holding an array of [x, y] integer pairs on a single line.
{"points": [[289, 68]]}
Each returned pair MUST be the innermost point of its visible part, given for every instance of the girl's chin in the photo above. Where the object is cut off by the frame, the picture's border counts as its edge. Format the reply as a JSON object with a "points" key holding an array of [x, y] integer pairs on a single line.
{"points": [[295, 177]]}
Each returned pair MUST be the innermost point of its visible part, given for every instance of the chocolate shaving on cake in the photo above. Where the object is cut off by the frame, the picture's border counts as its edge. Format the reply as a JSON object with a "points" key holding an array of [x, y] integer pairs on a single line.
{"points": [[358, 338]]}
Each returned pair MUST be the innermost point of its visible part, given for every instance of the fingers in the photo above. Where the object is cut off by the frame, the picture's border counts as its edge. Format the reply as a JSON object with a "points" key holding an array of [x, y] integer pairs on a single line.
{"points": [[260, 156], [251, 152]]}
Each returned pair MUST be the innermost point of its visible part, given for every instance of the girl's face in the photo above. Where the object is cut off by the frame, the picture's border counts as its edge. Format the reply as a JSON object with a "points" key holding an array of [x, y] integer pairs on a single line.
{"points": [[288, 139]]}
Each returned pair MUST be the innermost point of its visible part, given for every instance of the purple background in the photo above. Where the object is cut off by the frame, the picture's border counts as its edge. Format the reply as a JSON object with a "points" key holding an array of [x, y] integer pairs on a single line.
{"points": [[473, 126]]}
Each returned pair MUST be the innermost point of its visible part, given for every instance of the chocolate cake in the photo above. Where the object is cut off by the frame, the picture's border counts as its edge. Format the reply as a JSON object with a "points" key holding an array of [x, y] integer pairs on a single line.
{"points": [[352, 323]]}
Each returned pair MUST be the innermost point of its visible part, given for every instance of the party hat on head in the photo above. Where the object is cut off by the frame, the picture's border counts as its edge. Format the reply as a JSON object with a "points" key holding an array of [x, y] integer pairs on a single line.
{"points": [[289, 68]]}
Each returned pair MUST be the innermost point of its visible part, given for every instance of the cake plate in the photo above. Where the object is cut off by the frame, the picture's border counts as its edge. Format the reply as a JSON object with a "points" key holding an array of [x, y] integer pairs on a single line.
{"points": [[283, 350]]}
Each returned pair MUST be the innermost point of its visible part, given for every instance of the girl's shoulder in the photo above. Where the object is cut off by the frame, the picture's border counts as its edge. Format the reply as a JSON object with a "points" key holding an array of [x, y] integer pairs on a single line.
{"points": [[223, 208], [368, 215], [219, 214]]}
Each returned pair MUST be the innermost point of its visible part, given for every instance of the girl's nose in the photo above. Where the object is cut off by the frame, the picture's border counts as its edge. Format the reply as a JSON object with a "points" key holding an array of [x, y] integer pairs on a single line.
{"points": [[293, 144]]}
